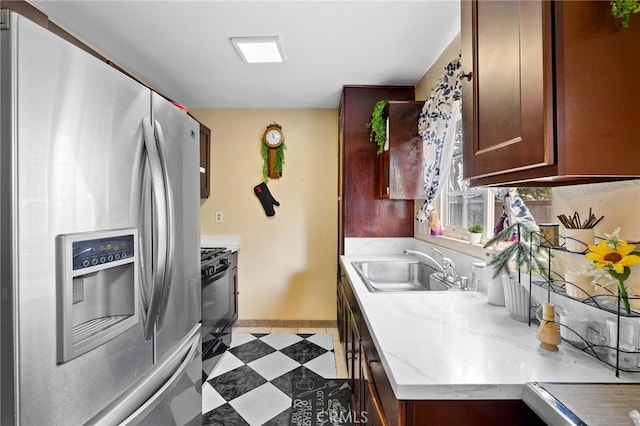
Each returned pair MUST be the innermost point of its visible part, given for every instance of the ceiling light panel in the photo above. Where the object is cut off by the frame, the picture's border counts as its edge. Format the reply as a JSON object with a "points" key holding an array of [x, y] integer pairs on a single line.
{"points": [[258, 49]]}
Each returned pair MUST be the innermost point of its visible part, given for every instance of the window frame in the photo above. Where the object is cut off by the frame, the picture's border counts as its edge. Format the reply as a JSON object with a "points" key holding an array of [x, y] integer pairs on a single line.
{"points": [[460, 231], [466, 193]]}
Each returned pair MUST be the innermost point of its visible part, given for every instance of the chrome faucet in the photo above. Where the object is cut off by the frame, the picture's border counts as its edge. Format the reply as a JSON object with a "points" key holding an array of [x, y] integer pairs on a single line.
{"points": [[431, 260], [448, 266]]}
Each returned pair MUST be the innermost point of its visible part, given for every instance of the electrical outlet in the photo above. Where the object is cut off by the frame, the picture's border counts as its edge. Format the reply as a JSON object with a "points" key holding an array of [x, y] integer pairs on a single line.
{"points": [[219, 217]]}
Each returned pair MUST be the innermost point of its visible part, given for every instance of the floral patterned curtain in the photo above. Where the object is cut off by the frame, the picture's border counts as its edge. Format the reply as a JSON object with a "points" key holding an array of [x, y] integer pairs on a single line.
{"points": [[514, 210], [436, 125]]}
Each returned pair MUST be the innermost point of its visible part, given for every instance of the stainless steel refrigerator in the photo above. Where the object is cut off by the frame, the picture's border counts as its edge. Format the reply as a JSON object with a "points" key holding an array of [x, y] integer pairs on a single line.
{"points": [[99, 230]]}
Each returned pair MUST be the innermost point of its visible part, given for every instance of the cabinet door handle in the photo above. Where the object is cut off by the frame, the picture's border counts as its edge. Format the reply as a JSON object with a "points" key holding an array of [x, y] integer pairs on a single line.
{"points": [[468, 75]]}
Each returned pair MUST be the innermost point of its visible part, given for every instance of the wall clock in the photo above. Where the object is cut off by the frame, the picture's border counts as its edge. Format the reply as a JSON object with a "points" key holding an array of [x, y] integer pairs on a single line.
{"points": [[273, 135], [272, 152]]}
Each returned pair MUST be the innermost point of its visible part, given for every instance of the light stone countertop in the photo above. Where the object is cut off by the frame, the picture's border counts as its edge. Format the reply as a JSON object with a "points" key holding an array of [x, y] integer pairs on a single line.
{"points": [[455, 345], [231, 242]]}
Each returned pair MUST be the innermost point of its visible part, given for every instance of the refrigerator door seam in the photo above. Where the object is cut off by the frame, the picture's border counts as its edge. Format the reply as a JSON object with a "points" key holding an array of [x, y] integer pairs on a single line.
{"points": [[167, 386]]}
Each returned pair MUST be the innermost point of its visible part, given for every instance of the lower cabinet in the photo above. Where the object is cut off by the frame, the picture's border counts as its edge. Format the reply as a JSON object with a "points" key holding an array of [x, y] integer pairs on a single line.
{"points": [[373, 400]]}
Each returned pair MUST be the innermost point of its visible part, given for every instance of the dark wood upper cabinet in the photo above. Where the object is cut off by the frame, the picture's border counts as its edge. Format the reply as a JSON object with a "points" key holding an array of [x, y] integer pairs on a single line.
{"points": [[552, 96], [399, 169], [205, 161], [362, 213]]}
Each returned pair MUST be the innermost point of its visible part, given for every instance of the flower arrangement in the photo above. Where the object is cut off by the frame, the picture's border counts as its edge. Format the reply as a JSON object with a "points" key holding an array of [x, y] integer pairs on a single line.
{"points": [[615, 257]]}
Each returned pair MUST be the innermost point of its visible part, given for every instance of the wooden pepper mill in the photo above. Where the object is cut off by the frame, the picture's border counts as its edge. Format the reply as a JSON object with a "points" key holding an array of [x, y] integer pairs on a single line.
{"points": [[548, 333]]}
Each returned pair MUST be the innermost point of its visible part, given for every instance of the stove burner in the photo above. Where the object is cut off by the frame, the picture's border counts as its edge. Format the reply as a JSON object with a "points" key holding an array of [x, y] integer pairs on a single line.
{"points": [[211, 253]]}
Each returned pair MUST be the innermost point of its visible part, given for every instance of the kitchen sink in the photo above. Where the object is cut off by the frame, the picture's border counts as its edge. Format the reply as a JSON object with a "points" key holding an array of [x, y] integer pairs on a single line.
{"points": [[400, 276]]}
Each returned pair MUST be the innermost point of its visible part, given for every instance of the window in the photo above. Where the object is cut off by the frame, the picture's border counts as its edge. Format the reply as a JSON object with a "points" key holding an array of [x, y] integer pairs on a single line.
{"points": [[462, 206]]}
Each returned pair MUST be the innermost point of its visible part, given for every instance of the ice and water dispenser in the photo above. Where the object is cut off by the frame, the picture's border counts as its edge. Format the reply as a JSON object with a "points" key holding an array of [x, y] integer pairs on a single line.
{"points": [[97, 289]]}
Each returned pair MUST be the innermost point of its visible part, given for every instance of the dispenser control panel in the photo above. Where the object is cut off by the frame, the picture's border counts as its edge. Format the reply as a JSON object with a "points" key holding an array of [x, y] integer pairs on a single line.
{"points": [[96, 289], [88, 253]]}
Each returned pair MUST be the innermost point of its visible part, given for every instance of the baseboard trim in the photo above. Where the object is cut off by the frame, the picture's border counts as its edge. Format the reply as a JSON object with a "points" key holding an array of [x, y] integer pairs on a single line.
{"points": [[287, 323]]}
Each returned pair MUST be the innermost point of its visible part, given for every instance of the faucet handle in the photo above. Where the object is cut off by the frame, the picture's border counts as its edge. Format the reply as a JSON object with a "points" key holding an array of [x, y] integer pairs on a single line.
{"points": [[447, 262]]}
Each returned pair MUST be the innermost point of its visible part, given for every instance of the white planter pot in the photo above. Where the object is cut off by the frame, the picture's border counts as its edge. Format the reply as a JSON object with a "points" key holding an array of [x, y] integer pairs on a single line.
{"points": [[474, 238], [516, 299]]}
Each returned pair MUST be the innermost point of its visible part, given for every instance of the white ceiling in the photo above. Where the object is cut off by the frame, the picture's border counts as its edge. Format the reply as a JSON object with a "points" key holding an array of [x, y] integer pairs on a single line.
{"points": [[182, 48]]}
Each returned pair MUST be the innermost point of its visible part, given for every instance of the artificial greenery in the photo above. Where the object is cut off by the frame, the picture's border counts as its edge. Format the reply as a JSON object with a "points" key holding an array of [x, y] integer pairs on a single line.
{"points": [[622, 9], [475, 229], [278, 163], [378, 126], [524, 250]]}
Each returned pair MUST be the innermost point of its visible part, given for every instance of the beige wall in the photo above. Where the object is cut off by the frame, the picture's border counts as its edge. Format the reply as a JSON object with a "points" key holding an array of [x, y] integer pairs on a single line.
{"points": [[287, 263], [433, 74], [618, 202]]}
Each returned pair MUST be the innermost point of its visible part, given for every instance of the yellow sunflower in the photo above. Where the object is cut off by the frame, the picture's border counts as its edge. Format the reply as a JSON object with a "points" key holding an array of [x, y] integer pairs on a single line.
{"points": [[604, 256]]}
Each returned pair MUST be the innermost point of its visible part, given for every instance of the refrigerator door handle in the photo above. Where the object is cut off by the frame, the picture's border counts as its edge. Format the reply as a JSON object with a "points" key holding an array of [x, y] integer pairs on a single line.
{"points": [[159, 197], [171, 231]]}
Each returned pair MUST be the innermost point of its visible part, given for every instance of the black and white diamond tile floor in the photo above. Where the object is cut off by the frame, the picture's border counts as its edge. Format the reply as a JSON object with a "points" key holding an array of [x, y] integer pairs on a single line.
{"points": [[251, 383]]}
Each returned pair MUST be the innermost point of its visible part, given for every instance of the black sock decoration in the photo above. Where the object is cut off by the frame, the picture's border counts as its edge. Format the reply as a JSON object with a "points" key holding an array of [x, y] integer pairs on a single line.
{"points": [[265, 197]]}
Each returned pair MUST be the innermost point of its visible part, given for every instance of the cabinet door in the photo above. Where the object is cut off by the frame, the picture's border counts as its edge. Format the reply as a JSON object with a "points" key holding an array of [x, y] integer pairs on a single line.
{"points": [[205, 161], [363, 214], [507, 102], [399, 171], [370, 407], [353, 362]]}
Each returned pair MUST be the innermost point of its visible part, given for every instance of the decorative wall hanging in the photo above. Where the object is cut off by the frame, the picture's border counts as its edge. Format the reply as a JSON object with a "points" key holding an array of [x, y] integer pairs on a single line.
{"points": [[272, 150], [264, 195], [378, 126], [622, 9]]}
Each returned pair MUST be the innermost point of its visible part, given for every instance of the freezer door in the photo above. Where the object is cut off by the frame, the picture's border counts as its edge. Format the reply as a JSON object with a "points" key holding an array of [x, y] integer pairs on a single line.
{"points": [[74, 133], [172, 395], [178, 145]]}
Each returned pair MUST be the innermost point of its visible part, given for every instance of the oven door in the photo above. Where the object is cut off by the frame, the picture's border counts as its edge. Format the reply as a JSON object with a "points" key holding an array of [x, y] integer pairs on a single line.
{"points": [[217, 304]]}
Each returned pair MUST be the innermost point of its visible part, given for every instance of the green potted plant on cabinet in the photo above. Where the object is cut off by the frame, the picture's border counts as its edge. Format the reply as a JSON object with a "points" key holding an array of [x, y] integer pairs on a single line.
{"points": [[622, 9], [378, 126]]}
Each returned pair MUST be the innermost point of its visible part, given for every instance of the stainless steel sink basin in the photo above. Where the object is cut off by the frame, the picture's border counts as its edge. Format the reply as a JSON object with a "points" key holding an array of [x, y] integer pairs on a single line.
{"points": [[399, 276]]}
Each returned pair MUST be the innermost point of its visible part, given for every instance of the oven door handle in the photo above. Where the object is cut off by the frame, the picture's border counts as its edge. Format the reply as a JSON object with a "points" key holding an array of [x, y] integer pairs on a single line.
{"points": [[215, 277]]}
